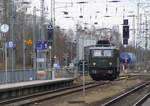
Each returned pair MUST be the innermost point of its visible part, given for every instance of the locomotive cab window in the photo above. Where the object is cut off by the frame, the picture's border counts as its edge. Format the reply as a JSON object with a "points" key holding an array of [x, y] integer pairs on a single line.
{"points": [[102, 53]]}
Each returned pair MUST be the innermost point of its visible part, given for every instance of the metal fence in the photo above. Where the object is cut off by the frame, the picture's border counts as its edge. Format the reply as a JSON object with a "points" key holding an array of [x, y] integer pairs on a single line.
{"points": [[29, 75], [17, 76]]}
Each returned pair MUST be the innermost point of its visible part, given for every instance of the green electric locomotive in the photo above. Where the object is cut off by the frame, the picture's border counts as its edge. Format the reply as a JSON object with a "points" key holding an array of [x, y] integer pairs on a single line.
{"points": [[104, 61]]}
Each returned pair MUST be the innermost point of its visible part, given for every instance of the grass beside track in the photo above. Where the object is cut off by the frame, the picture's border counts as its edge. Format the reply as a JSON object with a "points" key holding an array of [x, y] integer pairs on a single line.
{"points": [[92, 96], [108, 91]]}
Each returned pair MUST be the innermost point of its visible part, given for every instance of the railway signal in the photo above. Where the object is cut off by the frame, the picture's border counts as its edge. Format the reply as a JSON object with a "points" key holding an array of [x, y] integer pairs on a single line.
{"points": [[50, 34], [125, 31]]}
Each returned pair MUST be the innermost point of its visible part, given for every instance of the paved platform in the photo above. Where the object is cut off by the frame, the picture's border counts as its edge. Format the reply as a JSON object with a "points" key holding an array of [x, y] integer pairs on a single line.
{"points": [[32, 83]]}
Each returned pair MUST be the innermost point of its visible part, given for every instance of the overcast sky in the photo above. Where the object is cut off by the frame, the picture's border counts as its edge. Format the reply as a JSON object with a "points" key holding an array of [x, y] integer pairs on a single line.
{"points": [[89, 11]]}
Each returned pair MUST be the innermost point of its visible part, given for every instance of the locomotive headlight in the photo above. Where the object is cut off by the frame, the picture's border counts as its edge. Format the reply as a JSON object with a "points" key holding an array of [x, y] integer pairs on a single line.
{"points": [[110, 71], [110, 63], [94, 64]]}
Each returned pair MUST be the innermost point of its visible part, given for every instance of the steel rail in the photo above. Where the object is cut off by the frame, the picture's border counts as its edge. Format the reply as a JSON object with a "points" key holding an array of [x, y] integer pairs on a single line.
{"points": [[52, 94], [142, 100], [48, 94], [109, 103]]}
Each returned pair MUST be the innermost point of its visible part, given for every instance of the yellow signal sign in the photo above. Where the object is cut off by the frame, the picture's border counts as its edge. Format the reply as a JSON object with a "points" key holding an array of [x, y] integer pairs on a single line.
{"points": [[28, 42]]}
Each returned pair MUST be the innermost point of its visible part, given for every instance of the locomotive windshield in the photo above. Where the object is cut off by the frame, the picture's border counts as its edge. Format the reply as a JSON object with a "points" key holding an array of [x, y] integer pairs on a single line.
{"points": [[102, 53]]}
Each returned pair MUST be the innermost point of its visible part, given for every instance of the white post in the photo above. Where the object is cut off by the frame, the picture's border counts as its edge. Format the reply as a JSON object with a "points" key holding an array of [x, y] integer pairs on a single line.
{"points": [[138, 28], [53, 74], [24, 30], [83, 80], [50, 61], [34, 40], [54, 68], [6, 80], [77, 53]]}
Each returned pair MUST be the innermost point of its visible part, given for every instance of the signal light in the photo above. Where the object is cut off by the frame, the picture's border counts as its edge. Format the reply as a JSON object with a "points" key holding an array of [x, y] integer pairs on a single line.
{"points": [[126, 31], [125, 41], [50, 33], [125, 22]]}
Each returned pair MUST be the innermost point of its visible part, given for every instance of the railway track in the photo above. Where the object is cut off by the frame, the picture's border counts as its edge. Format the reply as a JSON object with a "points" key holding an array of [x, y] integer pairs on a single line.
{"points": [[131, 96], [142, 100], [33, 98], [25, 100]]}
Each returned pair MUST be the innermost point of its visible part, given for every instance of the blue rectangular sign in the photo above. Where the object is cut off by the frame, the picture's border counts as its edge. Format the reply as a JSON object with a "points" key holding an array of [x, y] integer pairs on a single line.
{"points": [[41, 45], [10, 44]]}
